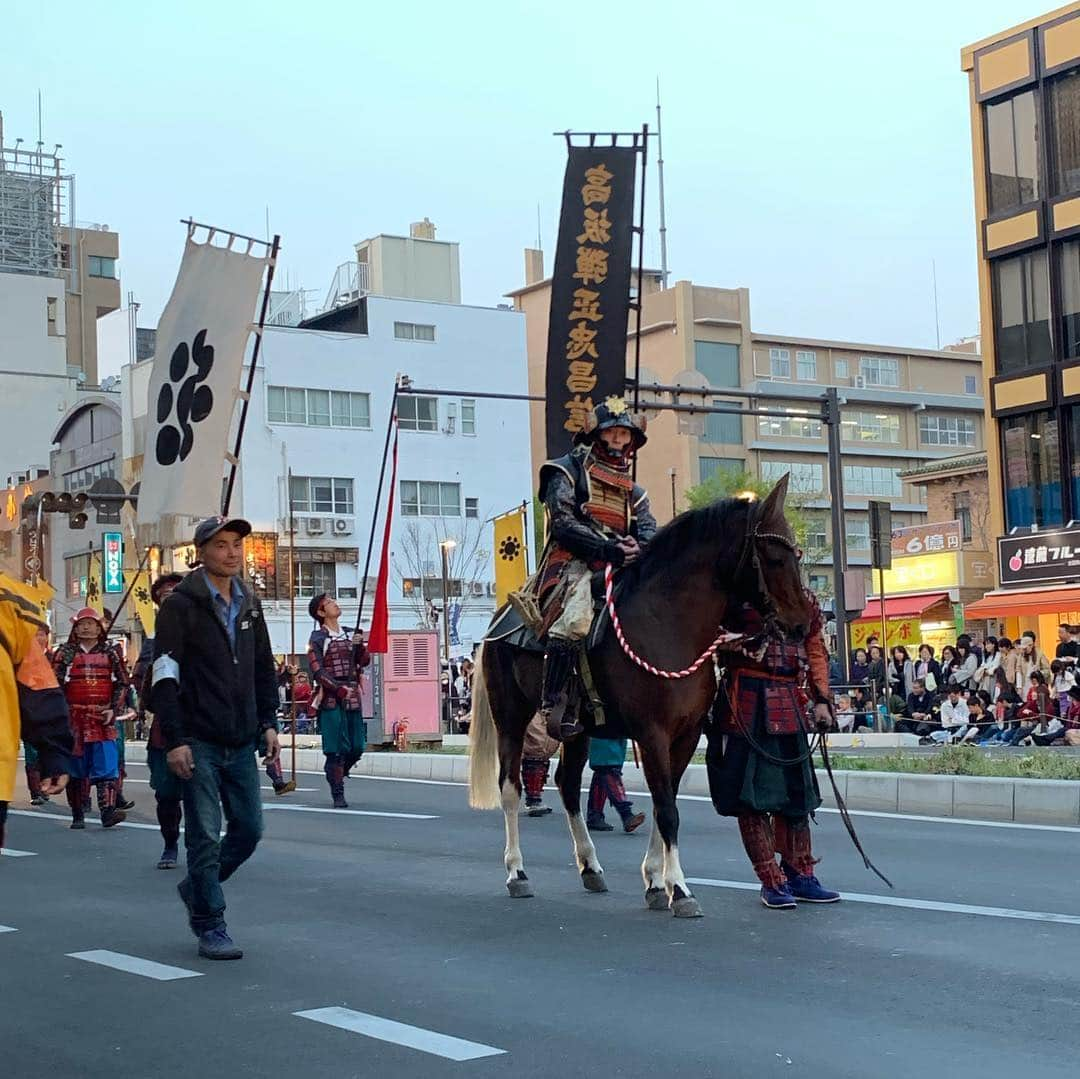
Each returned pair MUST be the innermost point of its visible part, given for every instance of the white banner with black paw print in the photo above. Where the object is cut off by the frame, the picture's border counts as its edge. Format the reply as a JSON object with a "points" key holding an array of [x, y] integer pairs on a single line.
{"points": [[201, 344]]}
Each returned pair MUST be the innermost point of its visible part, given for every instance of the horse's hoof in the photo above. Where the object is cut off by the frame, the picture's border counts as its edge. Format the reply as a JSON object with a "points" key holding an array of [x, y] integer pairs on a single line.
{"points": [[656, 899], [593, 881], [520, 887], [686, 907]]}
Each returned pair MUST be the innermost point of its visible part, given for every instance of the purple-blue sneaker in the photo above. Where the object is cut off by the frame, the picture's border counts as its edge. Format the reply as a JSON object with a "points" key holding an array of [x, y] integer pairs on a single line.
{"points": [[806, 888], [777, 898], [217, 944]]}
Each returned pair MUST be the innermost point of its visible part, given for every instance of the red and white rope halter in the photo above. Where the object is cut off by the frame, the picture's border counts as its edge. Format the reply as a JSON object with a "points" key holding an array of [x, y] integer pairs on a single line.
{"points": [[724, 637]]}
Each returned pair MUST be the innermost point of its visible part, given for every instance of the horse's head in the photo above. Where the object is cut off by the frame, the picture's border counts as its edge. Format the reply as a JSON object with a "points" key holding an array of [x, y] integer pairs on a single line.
{"points": [[770, 564]]}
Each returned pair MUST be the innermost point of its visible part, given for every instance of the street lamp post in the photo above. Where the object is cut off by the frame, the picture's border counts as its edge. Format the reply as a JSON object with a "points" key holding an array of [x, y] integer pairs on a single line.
{"points": [[446, 547]]}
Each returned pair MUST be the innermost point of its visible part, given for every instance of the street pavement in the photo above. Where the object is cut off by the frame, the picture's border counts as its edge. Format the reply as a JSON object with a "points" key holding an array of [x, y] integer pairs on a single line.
{"points": [[387, 945]]}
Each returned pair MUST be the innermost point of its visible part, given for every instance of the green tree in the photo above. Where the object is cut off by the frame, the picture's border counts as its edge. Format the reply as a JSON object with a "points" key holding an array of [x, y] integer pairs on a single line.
{"points": [[727, 483]]}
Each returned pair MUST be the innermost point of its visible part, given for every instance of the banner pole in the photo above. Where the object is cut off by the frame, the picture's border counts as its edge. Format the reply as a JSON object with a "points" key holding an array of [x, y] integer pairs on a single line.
{"points": [[378, 502], [292, 616], [274, 248]]}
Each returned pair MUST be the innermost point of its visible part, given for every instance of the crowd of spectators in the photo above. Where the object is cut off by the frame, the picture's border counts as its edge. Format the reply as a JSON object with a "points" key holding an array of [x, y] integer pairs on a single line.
{"points": [[996, 692]]}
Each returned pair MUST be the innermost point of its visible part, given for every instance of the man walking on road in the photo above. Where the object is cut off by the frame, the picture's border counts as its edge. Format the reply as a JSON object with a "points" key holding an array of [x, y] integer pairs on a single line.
{"points": [[215, 695]]}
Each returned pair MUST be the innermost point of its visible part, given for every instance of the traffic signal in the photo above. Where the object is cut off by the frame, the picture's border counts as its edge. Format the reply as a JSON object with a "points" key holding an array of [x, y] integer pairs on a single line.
{"points": [[72, 505], [880, 534]]}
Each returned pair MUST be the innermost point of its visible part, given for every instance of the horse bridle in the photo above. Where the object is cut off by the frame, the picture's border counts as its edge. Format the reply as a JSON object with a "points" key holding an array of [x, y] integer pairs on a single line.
{"points": [[751, 555]]}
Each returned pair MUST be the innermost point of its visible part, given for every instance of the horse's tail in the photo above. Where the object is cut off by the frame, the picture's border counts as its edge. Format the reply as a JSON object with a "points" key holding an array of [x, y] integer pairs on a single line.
{"points": [[483, 743]]}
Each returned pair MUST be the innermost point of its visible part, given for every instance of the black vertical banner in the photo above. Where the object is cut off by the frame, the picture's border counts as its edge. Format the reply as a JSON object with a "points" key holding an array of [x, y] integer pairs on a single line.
{"points": [[590, 289]]}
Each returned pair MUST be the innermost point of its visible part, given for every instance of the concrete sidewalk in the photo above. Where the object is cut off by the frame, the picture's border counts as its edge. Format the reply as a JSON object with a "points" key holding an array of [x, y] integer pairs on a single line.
{"points": [[1034, 801]]}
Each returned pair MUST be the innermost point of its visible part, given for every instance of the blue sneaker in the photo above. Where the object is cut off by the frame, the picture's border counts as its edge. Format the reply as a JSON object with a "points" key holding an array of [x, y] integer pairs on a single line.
{"points": [[217, 944], [168, 859], [777, 898], [806, 888]]}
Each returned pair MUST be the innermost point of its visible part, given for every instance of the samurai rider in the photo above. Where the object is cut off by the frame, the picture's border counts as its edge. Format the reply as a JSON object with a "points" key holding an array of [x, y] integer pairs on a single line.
{"points": [[596, 514], [92, 674], [759, 761], [337, 657]]}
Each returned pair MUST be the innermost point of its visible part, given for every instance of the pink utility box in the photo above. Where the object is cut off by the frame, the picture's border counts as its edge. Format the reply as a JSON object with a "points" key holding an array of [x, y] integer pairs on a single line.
{"points": [[410, 684]]}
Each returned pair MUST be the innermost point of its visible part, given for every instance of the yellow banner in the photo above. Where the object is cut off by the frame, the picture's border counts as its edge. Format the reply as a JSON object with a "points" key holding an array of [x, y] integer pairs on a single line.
{"points": [[140, 599], [94, 597], [905, 631], [509, 554], [922, 573]]}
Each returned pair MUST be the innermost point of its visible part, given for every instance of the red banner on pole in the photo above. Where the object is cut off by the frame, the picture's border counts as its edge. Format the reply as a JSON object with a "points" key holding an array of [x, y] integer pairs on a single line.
{"points": [[379, 637]]}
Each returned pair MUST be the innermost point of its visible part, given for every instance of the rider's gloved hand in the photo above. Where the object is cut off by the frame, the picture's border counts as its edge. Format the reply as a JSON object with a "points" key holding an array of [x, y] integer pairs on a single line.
{"points": [[614, 554]]}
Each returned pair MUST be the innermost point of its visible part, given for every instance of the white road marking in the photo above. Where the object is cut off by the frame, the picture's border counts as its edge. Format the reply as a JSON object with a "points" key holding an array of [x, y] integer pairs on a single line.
{"points": [[8, 929], [386, 1030], [7, 852], [132, 964], [916, 904], [64, 819], [298, 790], [348, 812]]}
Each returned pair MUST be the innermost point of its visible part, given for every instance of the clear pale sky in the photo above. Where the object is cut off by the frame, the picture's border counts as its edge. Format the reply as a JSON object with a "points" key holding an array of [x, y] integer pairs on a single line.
{"points": [[817, 153]]}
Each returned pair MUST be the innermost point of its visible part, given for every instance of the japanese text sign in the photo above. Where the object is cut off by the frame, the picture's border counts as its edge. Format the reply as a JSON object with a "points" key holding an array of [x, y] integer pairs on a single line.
{"points": [[926, 539], [590, 289], [114, 562], [1039, 556]]}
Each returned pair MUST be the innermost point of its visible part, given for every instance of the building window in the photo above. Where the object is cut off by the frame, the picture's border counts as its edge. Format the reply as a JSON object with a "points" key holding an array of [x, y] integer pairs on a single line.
{"points": [[723, 427], [1031, 458], [713, 466], [97, 266], [468, 417], [819, 583], [718, 362], [946, 430], [321, 494], [871, 480], [1074, 458], [313, 578], [1012, 151], [881, 427], [423, 498], [962, 511], [76, 572], [971, 384], [84, 478], [780, 362], [815, 533], [1068, 256], [805, 478], [857, 532], [841, 367], [798, 425], [414, 331], [418, 413], [1021, 292], [472, 507], [1065, 133], [879, 371], [317, 408], [806, 366]]}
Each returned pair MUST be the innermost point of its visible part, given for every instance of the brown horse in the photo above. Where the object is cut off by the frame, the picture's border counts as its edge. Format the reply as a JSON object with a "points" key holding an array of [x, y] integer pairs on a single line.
{"points": [[671, 608]]}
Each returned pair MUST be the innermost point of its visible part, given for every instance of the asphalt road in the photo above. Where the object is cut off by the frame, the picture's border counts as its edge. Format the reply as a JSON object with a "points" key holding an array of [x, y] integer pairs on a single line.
{"points": [[402, 923]]}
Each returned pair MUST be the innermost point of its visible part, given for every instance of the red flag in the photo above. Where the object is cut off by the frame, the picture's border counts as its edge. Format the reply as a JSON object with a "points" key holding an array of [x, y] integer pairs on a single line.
{"points": [[379, 637]]}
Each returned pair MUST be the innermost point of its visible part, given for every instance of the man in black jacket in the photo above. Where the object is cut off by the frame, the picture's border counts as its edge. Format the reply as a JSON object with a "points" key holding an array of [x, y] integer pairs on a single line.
{"points": [[215, 695]]}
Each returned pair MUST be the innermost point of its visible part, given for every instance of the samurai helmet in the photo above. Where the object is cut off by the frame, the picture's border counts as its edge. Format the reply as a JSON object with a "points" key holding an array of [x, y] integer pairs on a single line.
{"points": [[613, 412]]}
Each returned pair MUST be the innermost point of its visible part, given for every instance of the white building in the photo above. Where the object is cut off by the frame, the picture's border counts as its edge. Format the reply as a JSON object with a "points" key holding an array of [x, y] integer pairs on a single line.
{"points": [[320, 405]]}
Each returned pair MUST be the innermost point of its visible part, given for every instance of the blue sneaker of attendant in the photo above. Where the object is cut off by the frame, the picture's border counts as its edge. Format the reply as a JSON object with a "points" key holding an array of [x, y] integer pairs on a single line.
{"points": [[217, 944], [806, 888], [777, 898]]}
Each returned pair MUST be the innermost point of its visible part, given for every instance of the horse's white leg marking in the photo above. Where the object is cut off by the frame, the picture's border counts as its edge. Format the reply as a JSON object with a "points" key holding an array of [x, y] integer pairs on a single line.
{"points": [[511, 801], [652, 868], [584, 851], [673, 874]]}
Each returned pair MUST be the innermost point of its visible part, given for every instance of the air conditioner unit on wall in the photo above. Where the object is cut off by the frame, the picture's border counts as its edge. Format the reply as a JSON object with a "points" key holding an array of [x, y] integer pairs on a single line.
{"points": [[314, 526], [477, 588], [860, 382], [343, 526]]}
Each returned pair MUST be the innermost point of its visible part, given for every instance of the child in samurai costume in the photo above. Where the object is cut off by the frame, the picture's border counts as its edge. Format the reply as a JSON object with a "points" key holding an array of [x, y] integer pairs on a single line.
{"points": [[759, 762], [337, 657], [92, 674]]}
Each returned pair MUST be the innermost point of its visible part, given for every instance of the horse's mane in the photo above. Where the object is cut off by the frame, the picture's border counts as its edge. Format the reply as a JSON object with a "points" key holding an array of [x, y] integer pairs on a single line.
{"points": [[707, 524]]}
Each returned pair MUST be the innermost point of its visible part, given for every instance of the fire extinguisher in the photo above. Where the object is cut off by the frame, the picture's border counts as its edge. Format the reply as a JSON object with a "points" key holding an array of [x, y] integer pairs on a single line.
{"points": [[401, 735]]}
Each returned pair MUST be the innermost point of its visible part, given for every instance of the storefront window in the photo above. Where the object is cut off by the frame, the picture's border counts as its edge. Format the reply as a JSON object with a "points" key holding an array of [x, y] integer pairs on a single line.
{"points": [[1021, 312], [1031, 454]]}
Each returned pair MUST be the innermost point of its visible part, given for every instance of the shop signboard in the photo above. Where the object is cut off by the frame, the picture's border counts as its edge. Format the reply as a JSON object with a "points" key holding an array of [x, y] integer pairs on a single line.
{"points": [[1033, 557], [928, 573], [926, 539]]}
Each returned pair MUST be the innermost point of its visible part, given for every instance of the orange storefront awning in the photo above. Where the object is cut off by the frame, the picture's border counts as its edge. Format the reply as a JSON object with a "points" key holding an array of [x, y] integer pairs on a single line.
{"points": [[1017, 601], [903, 606]]}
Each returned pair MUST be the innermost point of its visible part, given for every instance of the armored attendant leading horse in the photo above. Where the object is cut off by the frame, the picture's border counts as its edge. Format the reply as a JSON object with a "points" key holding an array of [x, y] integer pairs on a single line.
{"points": [[653, 673]]}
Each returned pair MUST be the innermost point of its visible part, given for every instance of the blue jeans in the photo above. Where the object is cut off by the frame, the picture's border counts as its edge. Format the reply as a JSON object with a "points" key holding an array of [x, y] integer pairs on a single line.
{"points": [[223, 778]]}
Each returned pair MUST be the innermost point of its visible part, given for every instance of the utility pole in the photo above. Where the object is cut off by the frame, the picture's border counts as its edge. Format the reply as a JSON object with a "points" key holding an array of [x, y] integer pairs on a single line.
{"points": [[831, 416]]}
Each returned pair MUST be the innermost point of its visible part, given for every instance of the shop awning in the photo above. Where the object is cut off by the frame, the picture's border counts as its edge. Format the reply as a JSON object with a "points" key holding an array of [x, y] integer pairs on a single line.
{"points": [[903, 606], [1009, 601]]}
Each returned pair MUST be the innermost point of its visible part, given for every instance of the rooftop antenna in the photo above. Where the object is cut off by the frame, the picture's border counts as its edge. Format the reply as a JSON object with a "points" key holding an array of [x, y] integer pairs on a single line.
{"points": [[539, 243], [937, 320], [40, 136], [660, 171]]}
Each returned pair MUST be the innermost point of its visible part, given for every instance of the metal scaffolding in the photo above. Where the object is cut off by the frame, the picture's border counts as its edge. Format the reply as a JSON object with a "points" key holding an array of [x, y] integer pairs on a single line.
{"points": [[36, 210]]}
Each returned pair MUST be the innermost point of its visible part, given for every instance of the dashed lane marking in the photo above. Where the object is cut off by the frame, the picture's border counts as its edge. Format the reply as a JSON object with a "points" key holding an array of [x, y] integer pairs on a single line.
{"points": [[8, 852], [132, 964], [349, 812], [8, 929], [63, 818], [915, 904], [387, 1030]]}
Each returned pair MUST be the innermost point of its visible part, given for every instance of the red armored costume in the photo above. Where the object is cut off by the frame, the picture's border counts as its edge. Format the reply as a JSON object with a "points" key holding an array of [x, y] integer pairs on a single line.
{"points": [[94, 680]]}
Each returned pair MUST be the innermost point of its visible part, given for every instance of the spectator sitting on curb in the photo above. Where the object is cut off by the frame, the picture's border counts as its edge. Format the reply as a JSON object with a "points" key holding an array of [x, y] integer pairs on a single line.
{"points": [[954, 717], [919, 713], [845, 717]]}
